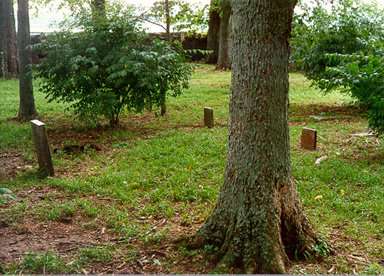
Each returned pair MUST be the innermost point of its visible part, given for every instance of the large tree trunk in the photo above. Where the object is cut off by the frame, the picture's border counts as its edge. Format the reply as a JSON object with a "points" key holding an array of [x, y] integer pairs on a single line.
{"points": [[213, 34], [27, 108], [224, 58], [8, 40], [258, 222]]}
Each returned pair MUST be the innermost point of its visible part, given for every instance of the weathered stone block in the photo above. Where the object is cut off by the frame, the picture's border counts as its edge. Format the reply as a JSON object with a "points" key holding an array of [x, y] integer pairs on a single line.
{"points": [[42, 147], [208, 117]]}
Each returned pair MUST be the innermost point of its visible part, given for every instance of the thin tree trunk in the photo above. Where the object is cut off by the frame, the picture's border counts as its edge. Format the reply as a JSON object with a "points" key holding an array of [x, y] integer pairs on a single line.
{"points": [[224, 58], [258, 222], [168, 21], [163, 107], [213, 34], [8, 40], [27, 108]]}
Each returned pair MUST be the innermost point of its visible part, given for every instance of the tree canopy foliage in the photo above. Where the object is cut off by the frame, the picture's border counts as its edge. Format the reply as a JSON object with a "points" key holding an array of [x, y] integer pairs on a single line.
{"points": [[70, 4], [105, 66], [183, 15]]}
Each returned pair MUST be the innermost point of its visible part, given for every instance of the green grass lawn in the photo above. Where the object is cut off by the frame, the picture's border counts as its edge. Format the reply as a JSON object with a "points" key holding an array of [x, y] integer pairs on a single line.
{"points": [[153, 179]]}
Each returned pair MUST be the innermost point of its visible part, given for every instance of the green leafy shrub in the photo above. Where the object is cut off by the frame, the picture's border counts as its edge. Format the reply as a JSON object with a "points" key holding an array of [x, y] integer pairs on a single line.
{"points": [[184, 16], [349, 27], [363, 76], [103, 66]]}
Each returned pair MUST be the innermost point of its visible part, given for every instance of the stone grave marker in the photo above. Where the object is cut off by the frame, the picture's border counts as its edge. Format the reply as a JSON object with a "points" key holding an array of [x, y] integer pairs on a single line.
{"points": [[308, 138], [42, 147], [208, 117]]}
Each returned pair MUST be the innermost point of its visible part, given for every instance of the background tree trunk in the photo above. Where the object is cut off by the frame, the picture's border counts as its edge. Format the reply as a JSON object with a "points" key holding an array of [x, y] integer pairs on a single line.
{"points": [[258, 222], [163, 107], [27, 108], [168, 21], [98, 9], [213, 34], [224, 57], [8, 40]]}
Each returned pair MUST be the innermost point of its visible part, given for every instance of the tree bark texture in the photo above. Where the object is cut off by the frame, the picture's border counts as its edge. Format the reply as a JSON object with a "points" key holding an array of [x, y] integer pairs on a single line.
{"points": [[224, 57], [8, 40], [213, 34], [27, 108], [98, 9], [258, 221]]}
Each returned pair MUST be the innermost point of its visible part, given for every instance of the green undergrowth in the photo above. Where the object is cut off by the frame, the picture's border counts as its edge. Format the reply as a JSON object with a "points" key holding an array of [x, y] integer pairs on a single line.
{"points": [[167, 171]]}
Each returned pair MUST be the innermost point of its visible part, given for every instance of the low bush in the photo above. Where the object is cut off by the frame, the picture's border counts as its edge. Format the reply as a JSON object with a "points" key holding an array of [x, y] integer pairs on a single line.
{"points": [[103, 66]]}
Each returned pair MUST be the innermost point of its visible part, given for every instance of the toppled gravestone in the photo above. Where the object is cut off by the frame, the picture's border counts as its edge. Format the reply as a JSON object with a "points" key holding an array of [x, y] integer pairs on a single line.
{"points": [[329, 117]]}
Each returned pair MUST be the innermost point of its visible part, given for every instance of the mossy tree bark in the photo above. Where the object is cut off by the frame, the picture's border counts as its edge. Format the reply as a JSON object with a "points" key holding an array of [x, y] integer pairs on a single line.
{"points": [[8, 40], [224, 57], [258, 221], [213, 33], [27, 108]]}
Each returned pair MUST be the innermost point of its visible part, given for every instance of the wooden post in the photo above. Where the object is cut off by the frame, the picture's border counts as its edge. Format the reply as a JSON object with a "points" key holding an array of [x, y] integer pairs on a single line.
{"points": [[42, 148], [208, 117], [308, 138]]}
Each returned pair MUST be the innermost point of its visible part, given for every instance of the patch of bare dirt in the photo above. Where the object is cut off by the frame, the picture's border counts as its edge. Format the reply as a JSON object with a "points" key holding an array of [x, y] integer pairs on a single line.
{"points": [[24, 233], [348, 256], [11, 164]]}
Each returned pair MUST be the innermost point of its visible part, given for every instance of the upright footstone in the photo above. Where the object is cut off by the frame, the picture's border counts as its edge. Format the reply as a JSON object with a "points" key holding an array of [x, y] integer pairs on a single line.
{"points": [[208, 117], [308, 138], [42, 148]]}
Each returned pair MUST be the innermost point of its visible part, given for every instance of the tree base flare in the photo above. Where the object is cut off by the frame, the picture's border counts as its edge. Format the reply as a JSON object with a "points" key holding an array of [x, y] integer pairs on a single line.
{"points": [[257, 239], [25, 117]]}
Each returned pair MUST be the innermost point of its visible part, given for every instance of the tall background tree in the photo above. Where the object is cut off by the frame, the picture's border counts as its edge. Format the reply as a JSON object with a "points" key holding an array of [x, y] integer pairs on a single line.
{"points": [[258, 221], [27, 108], [163, 109], [183, 16], [224, 57], [213, 33], [8, 40], [177, 16]]}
